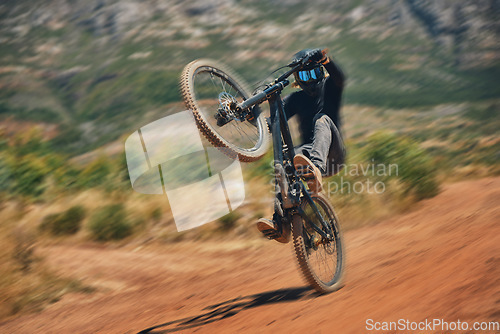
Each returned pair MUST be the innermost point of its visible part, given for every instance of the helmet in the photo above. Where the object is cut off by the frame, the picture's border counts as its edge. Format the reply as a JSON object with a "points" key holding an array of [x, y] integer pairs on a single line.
{"points": [[309, 77]]}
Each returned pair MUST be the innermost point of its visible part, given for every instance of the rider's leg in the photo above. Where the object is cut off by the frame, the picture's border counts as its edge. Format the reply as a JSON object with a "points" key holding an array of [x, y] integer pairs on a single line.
{"points": [[327, 151], [304, 149], [324, 156]]}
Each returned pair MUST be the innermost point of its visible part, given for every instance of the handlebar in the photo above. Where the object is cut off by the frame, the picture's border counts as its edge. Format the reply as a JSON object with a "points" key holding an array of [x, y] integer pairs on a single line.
{"points": [[280, 83], [306, 59], [262, 96]]}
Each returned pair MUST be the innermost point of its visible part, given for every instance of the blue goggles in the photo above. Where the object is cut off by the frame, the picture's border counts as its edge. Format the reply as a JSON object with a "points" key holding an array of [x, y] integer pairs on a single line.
{"points": [[311, 75]]}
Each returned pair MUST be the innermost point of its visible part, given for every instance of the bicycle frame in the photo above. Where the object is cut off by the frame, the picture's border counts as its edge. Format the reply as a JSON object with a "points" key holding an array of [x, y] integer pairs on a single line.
{"points": [[283, 155], [291, 187]]}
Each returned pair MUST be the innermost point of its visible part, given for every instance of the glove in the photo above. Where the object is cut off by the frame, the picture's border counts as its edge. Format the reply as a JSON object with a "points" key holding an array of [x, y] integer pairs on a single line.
{"points": [[317, 56]]}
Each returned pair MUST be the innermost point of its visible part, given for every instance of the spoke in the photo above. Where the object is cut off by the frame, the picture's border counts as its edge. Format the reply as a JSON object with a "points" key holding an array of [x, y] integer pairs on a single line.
{"points": [[241, 130], [230, 91], [212, 79], [320, 264], [327, 262], [212, 87], [245, 125], [233, 130], [223, 84], [254, 129], [323, 262]]}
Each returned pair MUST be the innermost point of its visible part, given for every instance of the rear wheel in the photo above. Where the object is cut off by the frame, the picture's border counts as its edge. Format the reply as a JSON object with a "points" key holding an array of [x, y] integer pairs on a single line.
{"points": [[208, 90], [321, 261]]}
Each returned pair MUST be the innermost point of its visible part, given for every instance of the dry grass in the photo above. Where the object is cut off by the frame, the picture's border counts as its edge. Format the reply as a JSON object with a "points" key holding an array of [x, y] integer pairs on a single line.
{"points": [[358, 210], [26, 284]]}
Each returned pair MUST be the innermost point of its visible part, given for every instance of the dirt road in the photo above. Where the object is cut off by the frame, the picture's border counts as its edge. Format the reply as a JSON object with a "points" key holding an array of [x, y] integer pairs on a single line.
{"points": [[441, 261]]}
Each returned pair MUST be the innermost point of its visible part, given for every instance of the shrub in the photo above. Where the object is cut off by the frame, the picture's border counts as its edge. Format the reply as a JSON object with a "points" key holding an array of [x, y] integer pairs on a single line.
{"points": [[156, 214], [29, 173], [110, 223], [64, 223], [96, 173], [415, 167], [48, 221], [23, 252], [484, 114], [228, 222], [72, 219], [6, 174]]}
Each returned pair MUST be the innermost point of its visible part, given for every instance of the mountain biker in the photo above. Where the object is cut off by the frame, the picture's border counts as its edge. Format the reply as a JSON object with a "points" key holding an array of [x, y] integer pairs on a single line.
{"points": [[317, 106]]}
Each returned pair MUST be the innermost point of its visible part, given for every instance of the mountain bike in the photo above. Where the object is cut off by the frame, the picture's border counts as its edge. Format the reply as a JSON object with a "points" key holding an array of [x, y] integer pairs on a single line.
{"points": [[232, 120]]}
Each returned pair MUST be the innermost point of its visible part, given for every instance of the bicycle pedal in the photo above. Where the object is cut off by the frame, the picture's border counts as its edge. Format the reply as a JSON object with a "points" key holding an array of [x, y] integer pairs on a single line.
{"points": [[270, 234], [306, 174]]}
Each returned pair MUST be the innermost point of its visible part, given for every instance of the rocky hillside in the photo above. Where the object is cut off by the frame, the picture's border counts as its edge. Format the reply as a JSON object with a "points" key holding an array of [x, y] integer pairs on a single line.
{"points": [[100, 68]]}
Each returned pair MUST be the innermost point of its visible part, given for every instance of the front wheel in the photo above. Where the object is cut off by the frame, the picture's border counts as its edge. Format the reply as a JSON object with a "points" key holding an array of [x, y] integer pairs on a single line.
{"points": [[210, 90], [321, 261]]}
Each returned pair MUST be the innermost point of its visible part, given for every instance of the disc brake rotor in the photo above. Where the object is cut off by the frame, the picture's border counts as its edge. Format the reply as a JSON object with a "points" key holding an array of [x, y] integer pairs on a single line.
{"points": [[225, 101]]}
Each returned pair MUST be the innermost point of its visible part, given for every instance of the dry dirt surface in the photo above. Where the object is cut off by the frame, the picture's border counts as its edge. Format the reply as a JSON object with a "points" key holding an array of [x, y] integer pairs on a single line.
{"points": [[441, 261]]}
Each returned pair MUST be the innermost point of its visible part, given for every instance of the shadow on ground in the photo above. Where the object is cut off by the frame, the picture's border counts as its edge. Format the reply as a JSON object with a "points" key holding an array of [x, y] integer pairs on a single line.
{"points": [[232, 307]]}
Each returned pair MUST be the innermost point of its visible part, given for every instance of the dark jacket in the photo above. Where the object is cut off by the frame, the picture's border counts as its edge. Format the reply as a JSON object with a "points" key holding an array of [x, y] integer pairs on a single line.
{"points": [[327, 101]]}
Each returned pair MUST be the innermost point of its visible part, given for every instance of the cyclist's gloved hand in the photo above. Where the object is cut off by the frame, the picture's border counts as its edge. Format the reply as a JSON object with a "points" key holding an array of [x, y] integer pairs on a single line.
{"points": [[317, 56]]}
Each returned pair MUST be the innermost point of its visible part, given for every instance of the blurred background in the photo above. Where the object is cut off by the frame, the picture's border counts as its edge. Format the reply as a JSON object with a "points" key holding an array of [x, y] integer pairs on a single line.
{"points": [[77, 77]]}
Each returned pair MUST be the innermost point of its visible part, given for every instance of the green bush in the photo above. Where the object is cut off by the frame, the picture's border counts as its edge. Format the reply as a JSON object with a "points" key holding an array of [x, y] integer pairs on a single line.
{"points": [[228, 222], [415, 167], [48, 222], [64, 223], [485, 114], [95, 173], [110, 223], [6, 174], [29, 166], [29, 173]]}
